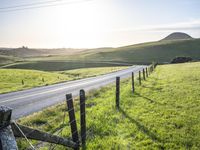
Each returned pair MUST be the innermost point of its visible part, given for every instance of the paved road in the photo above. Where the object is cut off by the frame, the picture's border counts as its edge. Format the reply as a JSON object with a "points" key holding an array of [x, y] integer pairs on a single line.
{"points": [[32, 100]]}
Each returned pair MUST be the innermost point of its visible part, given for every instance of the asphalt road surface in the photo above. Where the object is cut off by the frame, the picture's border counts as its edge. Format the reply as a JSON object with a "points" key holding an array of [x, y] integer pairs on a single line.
{"points": [[32, 100]]}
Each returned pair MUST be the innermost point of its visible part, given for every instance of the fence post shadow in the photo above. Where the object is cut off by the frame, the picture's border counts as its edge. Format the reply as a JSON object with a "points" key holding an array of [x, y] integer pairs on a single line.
{"points": [[141, 127], [148, 99]]}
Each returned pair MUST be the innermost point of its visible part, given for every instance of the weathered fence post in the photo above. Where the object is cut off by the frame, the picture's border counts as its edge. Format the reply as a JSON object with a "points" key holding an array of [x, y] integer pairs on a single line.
{"points": [[22, 82], [149, 71], [133, 83], [7, 139], [117, 92], [152, 67], [140, 78], [143, 71], [72, 120], [146, 72], [82, 115]]}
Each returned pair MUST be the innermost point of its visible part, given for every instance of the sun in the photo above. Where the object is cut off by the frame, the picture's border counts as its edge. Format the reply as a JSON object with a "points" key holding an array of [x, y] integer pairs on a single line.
{"points": [[78, 25]]}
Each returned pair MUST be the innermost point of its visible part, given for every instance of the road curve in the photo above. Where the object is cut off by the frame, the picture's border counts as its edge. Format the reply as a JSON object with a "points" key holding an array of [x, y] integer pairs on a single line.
{"points": [[32, 100]]}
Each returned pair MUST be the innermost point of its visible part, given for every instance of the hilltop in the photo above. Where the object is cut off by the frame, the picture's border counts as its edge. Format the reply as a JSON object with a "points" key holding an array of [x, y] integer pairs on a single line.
{"points": [[178, 36]]}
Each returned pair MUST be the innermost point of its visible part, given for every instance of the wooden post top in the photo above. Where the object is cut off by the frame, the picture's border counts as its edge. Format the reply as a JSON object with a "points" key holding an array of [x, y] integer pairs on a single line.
{"points": [[5, 116]]}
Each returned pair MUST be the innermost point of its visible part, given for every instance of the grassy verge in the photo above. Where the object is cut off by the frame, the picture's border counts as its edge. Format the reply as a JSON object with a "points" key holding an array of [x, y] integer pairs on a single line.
{"points": [[19, 79], [162, 114]]}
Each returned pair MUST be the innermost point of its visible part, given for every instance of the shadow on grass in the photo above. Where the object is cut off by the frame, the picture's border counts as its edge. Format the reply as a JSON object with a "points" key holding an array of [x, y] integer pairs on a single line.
{"points": [[141, 127], [153, 88], [148, 99]]}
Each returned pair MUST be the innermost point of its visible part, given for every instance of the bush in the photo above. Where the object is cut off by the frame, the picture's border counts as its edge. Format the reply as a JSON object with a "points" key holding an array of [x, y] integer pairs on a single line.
{"points": [[181, 60]]}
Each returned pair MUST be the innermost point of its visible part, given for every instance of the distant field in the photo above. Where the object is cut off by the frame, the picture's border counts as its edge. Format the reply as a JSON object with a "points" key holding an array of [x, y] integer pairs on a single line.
{"points": [[60, 65], [18, 79], [162, 114], [145, 53], [7, 59]]}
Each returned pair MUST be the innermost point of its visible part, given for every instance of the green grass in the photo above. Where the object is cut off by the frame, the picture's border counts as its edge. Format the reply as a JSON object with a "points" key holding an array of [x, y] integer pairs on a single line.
{"points": [[11, 79], [162, 114]]}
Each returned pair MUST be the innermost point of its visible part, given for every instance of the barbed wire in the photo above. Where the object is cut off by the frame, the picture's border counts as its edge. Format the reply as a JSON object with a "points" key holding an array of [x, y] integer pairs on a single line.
{"points": [[24, 136]]}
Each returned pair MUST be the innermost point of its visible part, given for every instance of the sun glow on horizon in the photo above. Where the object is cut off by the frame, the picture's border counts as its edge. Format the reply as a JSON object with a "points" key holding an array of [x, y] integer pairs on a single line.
{"points": [[97, 23]]}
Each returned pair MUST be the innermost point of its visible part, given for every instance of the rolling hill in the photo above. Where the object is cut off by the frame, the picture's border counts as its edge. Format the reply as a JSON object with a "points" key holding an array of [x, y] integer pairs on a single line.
{"points": [[24, 52], [163, 51]]}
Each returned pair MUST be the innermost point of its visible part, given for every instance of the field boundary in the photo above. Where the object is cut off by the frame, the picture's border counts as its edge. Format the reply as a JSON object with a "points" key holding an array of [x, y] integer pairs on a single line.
{"points": [[9, 129]]}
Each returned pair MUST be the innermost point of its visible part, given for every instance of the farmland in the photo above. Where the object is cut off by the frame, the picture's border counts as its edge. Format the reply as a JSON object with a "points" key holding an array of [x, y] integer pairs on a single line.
{"points": [[163, 113]]}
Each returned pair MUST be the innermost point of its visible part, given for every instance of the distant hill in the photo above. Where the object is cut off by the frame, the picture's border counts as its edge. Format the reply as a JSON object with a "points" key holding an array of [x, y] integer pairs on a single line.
{"points": [[162, 51], [146, 53], [178, 36], [24, 52]]}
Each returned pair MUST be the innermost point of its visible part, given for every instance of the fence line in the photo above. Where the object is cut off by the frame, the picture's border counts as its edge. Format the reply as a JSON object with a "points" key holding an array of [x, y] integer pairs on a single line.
{"points": [[10, 129]]}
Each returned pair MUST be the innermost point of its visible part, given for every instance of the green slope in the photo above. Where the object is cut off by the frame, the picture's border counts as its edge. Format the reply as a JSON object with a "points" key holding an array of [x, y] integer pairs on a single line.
{"points": [[162, 51]]}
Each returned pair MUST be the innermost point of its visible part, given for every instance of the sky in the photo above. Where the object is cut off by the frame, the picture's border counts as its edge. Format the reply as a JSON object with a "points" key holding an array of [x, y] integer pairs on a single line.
{"points": [[94, 23]]}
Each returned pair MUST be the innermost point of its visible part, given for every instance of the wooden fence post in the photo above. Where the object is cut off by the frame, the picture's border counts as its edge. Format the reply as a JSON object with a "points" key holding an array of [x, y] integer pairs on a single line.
{"points": [[143, 71], [7, 139], [117, 92], [146, 72], [152, 67], [149, 71], [133, 83], [140, 78], [82, 115], [72, 120]]}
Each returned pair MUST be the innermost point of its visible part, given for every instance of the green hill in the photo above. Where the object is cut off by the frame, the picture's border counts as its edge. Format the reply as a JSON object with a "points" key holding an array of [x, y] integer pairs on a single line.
{"points": [[161, 51]]}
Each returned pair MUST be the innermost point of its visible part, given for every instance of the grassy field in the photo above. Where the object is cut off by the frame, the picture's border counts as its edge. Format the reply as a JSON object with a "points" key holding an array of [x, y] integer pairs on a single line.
{"points": [[145, 53], [19, 79], [162, 114]]}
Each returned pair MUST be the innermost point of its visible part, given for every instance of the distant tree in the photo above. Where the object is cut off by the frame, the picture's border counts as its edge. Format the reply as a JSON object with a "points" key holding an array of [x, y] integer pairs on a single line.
{"points": [[24, 47], [181, 60]]}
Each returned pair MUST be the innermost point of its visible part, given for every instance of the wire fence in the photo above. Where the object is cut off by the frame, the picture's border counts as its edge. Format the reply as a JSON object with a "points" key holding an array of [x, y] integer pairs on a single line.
{"points": [[70, 127]]}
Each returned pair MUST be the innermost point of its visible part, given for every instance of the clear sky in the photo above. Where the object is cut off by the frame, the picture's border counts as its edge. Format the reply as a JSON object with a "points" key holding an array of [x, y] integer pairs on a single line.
{"points": [[94, 23]]}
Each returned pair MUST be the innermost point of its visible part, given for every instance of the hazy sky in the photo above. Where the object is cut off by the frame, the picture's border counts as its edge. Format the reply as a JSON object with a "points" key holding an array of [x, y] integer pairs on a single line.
{"points": [[94, 23]]}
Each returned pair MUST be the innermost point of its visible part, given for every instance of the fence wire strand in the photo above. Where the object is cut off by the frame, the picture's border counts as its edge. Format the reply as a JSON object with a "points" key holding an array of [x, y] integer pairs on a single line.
{"points": [[24, 136]]}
